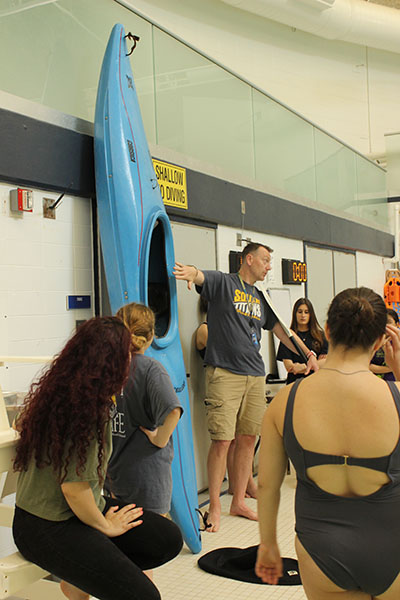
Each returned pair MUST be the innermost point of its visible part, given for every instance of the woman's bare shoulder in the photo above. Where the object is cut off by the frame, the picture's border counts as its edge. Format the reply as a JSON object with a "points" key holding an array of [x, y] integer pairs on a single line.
{"points": [[282, 396], [277, 407]]}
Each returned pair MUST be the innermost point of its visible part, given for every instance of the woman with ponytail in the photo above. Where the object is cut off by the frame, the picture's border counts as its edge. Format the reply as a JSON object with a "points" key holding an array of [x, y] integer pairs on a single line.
{"points": [[145, 415], [340, 428]]}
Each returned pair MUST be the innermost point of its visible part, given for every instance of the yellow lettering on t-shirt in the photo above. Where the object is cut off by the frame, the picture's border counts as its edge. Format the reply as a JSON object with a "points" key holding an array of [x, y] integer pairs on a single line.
{"points": [[237, 296]]}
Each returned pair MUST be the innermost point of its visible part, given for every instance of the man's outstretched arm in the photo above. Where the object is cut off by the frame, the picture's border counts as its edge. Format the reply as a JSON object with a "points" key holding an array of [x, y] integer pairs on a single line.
{"points": [[188, 273]]}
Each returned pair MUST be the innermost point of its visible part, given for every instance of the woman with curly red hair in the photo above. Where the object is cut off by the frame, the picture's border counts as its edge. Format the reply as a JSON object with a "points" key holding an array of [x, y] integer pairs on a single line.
{"points": [[62, 523]]}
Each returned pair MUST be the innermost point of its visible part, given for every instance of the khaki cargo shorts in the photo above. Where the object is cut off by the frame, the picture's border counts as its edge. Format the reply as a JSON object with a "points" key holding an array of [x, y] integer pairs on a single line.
{"points": [[235, 404]]}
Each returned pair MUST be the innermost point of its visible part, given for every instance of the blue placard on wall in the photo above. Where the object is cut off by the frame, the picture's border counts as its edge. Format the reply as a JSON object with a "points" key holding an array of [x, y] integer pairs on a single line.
{"points": [[78, 302]]}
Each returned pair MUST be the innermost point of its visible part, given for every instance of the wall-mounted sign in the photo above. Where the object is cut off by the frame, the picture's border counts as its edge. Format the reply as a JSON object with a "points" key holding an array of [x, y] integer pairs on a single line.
{"points": [[78, 302], [293, 271], [235, 261], [172, 182]]}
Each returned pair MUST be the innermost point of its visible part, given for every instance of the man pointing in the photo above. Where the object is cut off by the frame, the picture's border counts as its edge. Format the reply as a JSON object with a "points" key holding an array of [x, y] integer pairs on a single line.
{"points": [[235, 373]]}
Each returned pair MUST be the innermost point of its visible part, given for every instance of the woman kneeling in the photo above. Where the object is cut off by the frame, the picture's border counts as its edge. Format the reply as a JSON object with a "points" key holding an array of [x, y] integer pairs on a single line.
{"points": [[62, 523]]}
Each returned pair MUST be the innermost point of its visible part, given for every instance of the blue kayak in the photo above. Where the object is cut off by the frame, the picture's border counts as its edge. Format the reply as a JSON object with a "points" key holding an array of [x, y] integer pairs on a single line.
{"points": [[138, 252]]}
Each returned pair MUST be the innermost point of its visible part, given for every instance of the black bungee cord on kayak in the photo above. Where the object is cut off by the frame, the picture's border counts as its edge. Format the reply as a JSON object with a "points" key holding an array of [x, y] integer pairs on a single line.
{"points": [[135, 39]]}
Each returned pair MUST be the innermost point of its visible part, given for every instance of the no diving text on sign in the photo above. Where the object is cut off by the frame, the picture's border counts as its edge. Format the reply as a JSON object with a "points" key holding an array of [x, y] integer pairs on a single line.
{"points": [[172, 182]]}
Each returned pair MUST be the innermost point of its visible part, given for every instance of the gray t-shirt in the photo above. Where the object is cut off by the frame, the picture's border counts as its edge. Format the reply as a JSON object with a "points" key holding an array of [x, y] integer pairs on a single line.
{"points": [[138, 471], [235, 318]]}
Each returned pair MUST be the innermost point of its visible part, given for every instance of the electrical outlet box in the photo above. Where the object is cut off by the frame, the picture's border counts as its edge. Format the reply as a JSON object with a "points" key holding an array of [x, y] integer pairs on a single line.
{"points": [[48, 211], [21, 200]]}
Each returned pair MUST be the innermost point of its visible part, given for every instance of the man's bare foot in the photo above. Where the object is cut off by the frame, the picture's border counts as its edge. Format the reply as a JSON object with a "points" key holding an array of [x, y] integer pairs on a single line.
{"points": [[251, 491], [252, 494], [213, 519], [243, 510], [72, 592]]}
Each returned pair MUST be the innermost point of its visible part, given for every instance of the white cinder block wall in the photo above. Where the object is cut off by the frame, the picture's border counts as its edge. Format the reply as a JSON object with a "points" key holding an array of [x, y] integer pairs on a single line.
{"points": [[41, 262]]}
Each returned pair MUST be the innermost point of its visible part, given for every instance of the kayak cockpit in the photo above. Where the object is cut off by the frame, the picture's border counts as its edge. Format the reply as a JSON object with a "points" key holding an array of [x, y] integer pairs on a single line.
{"points": [[159, 298]]}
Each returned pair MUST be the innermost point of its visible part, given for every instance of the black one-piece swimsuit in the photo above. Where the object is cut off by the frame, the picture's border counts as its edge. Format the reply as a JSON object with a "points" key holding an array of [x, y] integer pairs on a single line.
{"points": [[354, 541]]}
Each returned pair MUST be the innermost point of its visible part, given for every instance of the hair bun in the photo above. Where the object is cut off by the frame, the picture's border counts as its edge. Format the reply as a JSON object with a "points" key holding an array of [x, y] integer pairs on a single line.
{"points": [[140, 321], [138, 341], [356, 317], [356, 309], [364, 312]]}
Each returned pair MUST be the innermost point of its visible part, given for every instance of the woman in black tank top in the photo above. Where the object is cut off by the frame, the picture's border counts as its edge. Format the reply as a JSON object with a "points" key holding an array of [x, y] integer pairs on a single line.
{"points": [[305, 324], [340, 428]]}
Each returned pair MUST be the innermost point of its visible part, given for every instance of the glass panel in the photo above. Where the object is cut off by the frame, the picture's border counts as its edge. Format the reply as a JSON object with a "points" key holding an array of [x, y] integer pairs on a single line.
{"points": [[284, 148], [335, 173], [371, 192], [52, 54], [202, 110]]}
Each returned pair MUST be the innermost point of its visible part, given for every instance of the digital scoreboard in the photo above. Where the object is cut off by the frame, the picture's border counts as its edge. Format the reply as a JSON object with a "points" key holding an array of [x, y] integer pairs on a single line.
{"points": [[293, 271]]}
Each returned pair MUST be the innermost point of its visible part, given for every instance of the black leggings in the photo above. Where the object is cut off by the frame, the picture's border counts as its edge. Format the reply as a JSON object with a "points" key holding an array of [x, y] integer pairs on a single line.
{"points": [[107, 568]]}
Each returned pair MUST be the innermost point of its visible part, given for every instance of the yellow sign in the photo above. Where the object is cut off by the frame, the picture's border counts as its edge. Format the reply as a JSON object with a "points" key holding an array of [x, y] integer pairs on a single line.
{"points": [[172, 182]]}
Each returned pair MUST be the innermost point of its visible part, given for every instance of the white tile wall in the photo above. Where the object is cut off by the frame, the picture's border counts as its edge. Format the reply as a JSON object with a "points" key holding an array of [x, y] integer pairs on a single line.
{"points": [[80, 234], [24, 303], [57, 231], [41, 262]]}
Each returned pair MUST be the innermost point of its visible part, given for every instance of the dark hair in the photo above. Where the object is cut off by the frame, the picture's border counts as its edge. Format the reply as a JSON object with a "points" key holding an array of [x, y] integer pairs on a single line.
{"points": [[315, 328], [69, 405], [253, 247], [357, 317], [392, 313]]}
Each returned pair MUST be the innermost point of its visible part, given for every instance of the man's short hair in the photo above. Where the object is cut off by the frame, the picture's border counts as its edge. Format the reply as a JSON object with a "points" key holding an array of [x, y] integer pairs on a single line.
{"points": [[253, 247]]}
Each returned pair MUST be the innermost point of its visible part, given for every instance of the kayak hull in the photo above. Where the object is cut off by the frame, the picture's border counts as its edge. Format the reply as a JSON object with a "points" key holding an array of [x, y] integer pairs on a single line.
{"points": [[138, 251]]}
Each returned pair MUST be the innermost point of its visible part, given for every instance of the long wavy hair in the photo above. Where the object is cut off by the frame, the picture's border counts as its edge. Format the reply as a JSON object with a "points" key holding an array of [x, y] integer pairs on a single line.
{"points": [[69, 405], [315, 328]]}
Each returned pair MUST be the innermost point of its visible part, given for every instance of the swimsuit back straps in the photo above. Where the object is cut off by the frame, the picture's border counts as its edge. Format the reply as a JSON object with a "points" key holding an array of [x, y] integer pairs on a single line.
{"points": [[308, 458]]}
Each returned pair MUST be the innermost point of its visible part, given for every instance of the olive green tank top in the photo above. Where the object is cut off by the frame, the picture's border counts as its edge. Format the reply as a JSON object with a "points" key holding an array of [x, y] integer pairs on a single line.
{"points": [[39, 492]]}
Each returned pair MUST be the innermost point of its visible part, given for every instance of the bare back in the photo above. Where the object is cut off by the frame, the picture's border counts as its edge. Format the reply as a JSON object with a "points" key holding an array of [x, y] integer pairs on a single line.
{"points": [[345, 415]]}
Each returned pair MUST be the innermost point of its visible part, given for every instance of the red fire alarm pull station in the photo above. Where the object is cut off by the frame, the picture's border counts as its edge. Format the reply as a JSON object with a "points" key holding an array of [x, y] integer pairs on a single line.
{"points": [[21, 200]]}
